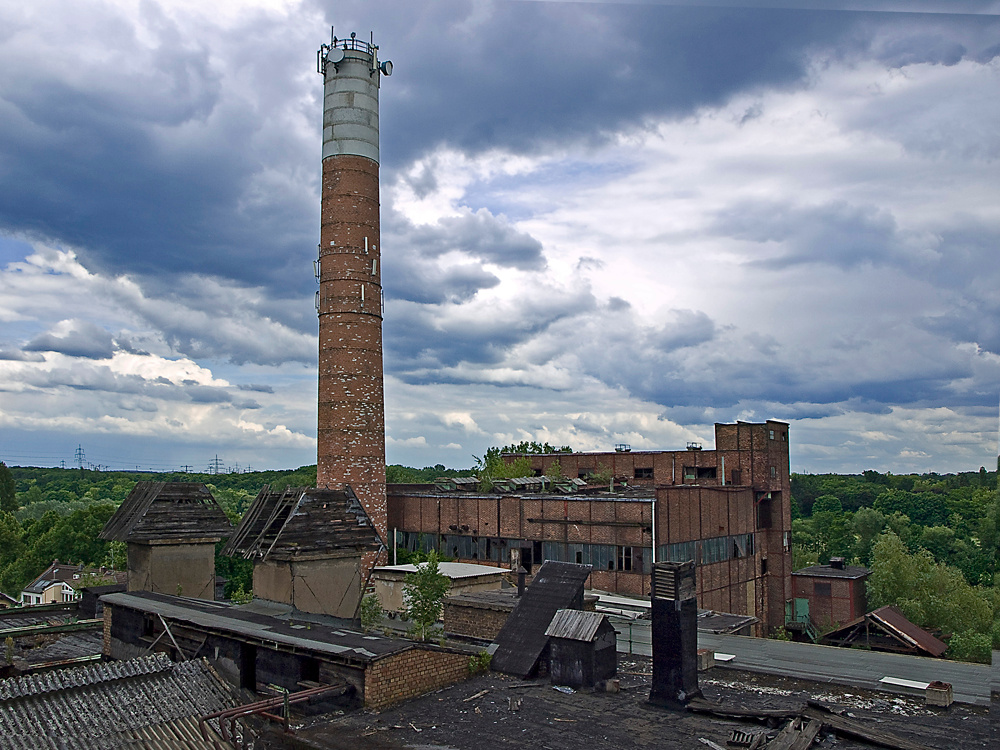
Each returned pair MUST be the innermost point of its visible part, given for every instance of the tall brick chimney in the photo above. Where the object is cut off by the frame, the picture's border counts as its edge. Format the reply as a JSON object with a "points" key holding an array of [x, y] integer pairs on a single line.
{"points": [[351, 434]]}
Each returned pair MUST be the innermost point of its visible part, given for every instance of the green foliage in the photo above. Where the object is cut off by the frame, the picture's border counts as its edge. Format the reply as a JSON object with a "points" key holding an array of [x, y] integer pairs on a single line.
{"points": [[492, 466], [241, 595], [371, 613], [922, 508], [533, 446], [8, 490], [555, 471], [970, 646], [827, 504], [930, 594], [603, 475], [397, 474], [423, 594], [479, 663]]}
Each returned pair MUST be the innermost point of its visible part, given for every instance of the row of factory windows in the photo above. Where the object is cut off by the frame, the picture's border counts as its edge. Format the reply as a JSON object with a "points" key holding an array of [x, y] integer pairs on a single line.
{"points": [[602, 556]]}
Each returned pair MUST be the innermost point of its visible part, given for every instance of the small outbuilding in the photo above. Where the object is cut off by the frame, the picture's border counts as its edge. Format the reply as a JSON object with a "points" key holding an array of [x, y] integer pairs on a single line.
{"points": [[582, 648], [463, 578]]}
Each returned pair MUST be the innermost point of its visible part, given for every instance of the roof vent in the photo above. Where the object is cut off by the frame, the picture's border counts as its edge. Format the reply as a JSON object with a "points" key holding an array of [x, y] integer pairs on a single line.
{"points": [[837, 562], [694, 446], [623, 448]]}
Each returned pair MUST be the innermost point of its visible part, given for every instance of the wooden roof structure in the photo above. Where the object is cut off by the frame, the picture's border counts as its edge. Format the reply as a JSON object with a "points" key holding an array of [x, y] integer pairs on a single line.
{"points": [[303, 521], [162, 511], [886, 629], [521, 641]]}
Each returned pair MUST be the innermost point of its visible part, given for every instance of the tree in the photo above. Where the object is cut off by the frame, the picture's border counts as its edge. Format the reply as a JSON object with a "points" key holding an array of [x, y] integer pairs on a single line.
{"points": [[371, 612], [8, 490], [423, 594], [492, 466]]}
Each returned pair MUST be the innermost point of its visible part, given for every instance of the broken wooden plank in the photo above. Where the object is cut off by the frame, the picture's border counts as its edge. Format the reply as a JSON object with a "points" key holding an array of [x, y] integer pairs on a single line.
{"points": [[861, 731]]}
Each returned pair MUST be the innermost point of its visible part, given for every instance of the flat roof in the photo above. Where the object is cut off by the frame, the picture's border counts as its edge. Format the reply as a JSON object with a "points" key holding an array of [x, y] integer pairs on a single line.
{"points": [[452, 570], [280, 624], [827, 571]]}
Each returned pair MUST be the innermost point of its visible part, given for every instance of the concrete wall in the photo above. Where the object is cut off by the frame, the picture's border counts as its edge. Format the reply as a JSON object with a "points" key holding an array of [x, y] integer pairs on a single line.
{"points": [[175, 569], [329, 585], [389, 587]]}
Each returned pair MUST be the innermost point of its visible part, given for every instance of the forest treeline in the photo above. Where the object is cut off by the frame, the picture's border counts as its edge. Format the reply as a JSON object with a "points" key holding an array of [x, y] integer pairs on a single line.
{"points": [[931, 540]]}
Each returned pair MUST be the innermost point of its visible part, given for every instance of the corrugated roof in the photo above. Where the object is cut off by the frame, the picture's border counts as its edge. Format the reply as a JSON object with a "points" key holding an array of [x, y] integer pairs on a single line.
{"points": [[522, 639], [167, 510], [575, 625], [892, 619], [108, 704], [303, 521]]}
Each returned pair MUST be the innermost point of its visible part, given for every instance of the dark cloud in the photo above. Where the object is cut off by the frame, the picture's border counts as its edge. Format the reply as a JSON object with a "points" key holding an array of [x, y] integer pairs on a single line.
{"points": [[256, 387], [420, 339], [480, 235], [83, 339], [838, 233], [13, 355]]}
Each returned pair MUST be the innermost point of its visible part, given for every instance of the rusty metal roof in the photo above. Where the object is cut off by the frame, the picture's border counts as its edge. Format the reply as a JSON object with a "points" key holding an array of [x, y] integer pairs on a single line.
{"points": [[890, 618], [167, 510], [303, 521]]}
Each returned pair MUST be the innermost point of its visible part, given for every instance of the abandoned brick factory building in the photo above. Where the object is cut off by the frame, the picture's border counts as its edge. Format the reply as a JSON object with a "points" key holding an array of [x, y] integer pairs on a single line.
{"points": [[726, 509]]}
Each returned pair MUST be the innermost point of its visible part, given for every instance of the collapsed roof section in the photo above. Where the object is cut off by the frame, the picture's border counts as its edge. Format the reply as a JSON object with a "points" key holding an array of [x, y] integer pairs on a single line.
{"points": [[886, 629], [156, 511], [522, 640], [302, 521]]}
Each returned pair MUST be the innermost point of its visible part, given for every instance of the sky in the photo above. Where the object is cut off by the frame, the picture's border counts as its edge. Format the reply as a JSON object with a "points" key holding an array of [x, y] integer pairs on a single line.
{"points": [[602, 223]]}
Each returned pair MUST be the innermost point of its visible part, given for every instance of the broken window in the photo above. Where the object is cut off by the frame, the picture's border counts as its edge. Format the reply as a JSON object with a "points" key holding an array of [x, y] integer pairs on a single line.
{"points": [[706, 472], [690, 473], [644, 473], [764, 511], [624, 558]]}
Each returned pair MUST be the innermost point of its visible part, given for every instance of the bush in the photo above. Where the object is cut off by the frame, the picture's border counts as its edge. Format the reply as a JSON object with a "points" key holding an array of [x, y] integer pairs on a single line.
{"points": [[371, 613], [480, 662], [970, 646]]}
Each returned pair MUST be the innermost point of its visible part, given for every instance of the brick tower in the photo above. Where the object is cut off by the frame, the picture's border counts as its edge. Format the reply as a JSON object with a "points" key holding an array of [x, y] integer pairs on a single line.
{"points": [[351, 434]]}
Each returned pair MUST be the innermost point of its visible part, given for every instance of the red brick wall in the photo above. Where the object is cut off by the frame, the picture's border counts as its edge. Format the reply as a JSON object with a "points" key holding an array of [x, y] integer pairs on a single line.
{"points": [[411, 673], [351, 423], [472, 621]]}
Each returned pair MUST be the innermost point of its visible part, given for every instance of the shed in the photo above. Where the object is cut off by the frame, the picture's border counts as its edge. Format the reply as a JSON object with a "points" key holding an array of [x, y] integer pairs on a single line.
{"points": [[521, 643], [582, 648]]}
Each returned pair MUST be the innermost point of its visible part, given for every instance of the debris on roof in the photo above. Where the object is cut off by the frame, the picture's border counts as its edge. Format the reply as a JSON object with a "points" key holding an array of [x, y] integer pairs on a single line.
{"points": [[886, 629], [167, 510], [522, 640], [303, 521]]}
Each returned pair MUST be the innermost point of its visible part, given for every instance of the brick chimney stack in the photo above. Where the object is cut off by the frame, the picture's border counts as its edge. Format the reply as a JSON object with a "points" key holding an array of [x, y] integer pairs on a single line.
{"points": [[351, 429]]}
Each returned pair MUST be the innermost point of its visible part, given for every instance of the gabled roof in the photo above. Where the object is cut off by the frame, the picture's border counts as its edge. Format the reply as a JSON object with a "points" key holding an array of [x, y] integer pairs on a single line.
{"points": [[522, 640], [167, 510], [301, 521], [575, 625]]}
